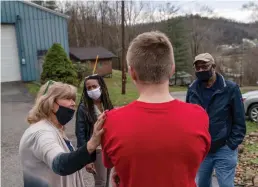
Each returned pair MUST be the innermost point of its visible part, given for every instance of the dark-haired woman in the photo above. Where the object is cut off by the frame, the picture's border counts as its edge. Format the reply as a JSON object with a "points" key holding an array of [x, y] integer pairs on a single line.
{"points": [[95, 100]]}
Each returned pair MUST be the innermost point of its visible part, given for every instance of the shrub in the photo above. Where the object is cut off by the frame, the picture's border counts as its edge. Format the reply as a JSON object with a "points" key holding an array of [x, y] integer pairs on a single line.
{"points": [[82, 71], [58, 67]]}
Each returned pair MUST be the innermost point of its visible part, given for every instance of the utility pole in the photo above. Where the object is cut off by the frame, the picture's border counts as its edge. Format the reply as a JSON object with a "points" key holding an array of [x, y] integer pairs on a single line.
{"points": [[123, 47], [102, 6], [241, 66]]}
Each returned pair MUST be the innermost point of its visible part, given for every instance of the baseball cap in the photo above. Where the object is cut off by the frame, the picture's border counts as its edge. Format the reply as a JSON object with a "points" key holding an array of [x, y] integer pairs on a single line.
{"points": [[206, 57]]}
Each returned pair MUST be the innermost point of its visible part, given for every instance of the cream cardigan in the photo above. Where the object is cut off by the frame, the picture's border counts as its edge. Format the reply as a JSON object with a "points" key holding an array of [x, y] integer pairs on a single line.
{"points": [[39, 145]]}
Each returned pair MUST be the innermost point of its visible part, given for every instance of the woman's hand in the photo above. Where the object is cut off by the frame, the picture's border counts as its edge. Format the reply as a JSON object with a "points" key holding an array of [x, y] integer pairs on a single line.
{"points": [[90, 168], [95, 139]]}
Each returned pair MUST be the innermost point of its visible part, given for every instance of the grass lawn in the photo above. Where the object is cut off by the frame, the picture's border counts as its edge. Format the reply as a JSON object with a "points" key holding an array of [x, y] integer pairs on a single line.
{"points": [[114, 85], [33, 88], [245, 89], [251, 127], [251, 147]]}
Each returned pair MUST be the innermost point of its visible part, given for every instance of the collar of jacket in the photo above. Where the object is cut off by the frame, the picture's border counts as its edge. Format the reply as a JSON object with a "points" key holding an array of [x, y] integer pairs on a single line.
{"points": [[221, 84]]}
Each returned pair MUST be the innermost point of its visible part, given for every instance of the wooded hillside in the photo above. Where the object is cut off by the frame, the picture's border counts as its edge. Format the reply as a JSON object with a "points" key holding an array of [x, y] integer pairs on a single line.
{"points": [[94, 24]]}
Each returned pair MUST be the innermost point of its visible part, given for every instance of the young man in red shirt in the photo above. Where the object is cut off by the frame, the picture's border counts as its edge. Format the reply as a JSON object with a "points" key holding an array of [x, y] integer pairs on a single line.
{"points": [[156, 141]]}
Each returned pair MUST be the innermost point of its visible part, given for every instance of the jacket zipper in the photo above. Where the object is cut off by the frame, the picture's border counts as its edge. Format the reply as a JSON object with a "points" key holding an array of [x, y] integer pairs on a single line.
{"points": [[212, 97], [198, 96]]}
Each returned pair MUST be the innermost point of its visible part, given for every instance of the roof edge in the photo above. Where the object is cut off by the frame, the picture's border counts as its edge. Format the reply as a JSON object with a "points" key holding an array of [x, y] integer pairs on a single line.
{"points": [[45, 9], [84, 59]]}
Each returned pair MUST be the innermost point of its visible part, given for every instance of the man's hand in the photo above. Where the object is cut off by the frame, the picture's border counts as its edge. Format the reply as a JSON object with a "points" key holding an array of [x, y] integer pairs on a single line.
{"points": [[115, 179], [90, 168]]}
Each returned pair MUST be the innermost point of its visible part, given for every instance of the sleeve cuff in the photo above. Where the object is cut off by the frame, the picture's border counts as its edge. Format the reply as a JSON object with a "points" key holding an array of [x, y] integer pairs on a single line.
{"points": [[93, 156], [83, 151]]}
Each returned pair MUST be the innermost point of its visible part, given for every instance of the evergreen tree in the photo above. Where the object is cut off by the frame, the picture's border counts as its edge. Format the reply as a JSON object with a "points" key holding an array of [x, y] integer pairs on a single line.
{"points": [[58, 67], [177, 34]]}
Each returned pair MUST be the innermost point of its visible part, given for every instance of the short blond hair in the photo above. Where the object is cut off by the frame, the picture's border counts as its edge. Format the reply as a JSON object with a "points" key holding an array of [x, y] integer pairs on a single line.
{"points": [[47, 95], [151, 55]]}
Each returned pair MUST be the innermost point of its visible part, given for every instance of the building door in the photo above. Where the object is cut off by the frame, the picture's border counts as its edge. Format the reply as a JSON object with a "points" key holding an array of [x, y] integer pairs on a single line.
{"points": [[10, 64]]}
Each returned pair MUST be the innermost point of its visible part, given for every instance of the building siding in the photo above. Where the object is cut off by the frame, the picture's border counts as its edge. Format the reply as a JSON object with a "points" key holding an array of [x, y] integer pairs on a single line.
{"points": [[36, 30], [104, 67]]}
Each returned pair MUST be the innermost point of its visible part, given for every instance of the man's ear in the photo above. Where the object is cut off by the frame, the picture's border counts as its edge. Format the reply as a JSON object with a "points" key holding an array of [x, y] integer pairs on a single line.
{"points": [[214, 68], [132, 73], [173, 69]]}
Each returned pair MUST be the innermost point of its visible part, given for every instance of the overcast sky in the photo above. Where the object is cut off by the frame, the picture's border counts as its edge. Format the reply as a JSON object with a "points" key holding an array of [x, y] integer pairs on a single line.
{"points": [[231, 9]]}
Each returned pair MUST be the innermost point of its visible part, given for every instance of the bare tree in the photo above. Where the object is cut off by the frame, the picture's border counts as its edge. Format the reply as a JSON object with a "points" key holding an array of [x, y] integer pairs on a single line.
{"points": [[103, 12], [149, 14], [166, 11], [72, 11], [253, 6], [114, 31], [133, 11], [250, 67], [48, 4], [198, 34]]}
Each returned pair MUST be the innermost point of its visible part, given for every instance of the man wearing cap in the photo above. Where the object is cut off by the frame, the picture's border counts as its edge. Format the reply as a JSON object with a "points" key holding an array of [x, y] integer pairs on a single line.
{"points": [[222, 101]]}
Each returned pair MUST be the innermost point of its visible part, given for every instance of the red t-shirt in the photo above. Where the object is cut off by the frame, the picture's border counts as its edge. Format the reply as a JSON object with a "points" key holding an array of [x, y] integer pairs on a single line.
{"points": [[156, 144]]}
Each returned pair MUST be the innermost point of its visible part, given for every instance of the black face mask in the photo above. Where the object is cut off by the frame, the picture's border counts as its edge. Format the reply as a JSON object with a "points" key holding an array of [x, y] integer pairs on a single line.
{"points": [[64, 114], [204, 76]]}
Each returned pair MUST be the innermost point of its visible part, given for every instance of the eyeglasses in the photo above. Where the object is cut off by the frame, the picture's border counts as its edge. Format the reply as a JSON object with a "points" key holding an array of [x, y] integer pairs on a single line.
{"points": [[50, 82], [203, 67]]}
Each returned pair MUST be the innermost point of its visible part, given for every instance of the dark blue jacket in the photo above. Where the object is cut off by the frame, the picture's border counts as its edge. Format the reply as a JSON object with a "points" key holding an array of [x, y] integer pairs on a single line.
{"points": [[225, 110]]}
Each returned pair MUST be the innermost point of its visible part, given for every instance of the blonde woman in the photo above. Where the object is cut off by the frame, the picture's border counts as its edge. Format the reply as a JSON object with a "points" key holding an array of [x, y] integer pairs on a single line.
{"points": [[47, 156]]}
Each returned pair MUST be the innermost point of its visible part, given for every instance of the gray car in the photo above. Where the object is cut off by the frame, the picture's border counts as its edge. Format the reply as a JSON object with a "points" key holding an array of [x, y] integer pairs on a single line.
{"points": [[250, 100]]}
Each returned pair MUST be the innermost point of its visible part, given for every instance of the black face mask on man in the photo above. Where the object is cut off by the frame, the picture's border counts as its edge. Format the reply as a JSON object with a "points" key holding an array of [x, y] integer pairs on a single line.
{"points": [[204, 76], [64, 114]]}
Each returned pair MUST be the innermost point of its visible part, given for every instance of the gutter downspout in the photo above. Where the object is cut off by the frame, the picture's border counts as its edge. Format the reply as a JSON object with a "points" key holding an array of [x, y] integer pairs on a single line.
{"points": [[20, 44]]}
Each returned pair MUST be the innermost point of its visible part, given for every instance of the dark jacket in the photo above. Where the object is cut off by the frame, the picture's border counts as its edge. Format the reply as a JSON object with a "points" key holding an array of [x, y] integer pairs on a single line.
{"points": [[225, 110], [83, 127]]}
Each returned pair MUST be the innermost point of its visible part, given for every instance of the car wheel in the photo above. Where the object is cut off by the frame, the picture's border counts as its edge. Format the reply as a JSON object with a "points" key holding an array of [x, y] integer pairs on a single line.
{"points": [[253, 113]]}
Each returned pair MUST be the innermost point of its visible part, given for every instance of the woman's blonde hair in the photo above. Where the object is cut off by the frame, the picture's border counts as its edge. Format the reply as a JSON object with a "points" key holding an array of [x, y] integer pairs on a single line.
{"points": [[47, 95]]}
